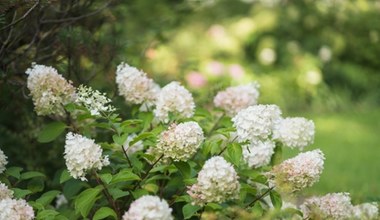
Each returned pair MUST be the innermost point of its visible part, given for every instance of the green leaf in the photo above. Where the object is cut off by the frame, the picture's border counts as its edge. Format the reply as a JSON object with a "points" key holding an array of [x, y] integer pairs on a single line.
{"points": [[86, 200], [235, 153], [276, 199], [47, 197], [141, 137], [118, 193], [47, 214], [277, 156], [151, 187], [124, 176], [65, 175], [120, 140], [31, 174], [21, 193], [189, 210], [14, 171], [36, 185], [139, 192], [184, 168], [51, 131], [106, 177], [103, 213]]}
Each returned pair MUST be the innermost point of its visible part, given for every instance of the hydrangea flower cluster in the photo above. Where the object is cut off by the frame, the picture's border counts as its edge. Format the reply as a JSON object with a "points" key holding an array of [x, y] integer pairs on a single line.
{"points": [[237, 98], [366, 211], [256, 122], [176, 99], [13, 208], [138, 146], [5, 192], [216, 182], [331, 206], [148, 208], [82, 154], [135, 86], [299, 172], [180, 142], [258, 154], [3, 161], [295, 132], [49, 90], [93, 100]]}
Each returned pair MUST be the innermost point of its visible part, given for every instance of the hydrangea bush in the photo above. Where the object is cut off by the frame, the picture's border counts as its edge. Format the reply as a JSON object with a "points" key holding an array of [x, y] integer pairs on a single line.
{"points": [[170, 159]]}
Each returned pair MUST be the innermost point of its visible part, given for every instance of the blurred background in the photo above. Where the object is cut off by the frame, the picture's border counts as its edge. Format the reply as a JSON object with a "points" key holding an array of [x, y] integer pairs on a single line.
{"points": [[317, 59]]}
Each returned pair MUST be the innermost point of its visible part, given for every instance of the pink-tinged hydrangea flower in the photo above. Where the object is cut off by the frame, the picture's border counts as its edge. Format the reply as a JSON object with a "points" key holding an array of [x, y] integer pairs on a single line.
{"points": [[175, 99], [366, 211], [236, 98], [180, 142], [135, 86], [256, 122], [295, 132], [93, 100], [148, 208], [298, 172], [15, 209], [49, 90], [216, 182], [259, 153], [3, 161], [83, 154], [5, 192], [331, 206]]}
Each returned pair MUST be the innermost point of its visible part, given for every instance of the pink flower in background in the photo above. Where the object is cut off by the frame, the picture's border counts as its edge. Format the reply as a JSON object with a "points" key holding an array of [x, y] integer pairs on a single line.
{"points": [[236, 71], [195, 80], [216, 31], [215, 68]]}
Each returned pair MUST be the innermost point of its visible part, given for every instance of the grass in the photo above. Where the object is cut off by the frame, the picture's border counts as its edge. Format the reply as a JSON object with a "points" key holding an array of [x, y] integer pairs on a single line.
{"points": [[351, 144]]}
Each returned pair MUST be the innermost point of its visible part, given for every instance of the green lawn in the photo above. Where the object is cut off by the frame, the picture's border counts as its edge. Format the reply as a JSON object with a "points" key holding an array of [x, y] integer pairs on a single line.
{"points": [[351, 143]]}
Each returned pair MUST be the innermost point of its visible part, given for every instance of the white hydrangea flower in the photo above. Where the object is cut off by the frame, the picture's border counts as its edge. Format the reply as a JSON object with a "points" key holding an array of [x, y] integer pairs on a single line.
{"points": [[256, 122], [49, 90], [83, 154], [174, 98], [138, 146], [135, 86], [180, 142], [258, 154], [237, 98], [15, 209], [5, 192], [366, 211], [298, 172], [149, 208], [60, 201], [3, 161], [93, 100], [216, 182], [295, 132], [331, 206]]}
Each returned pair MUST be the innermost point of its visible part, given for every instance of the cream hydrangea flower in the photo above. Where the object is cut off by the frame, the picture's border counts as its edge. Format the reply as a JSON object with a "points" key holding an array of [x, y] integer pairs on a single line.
{"points": [[3, 161], [135, 86], [295, 132], [256, 122], [83, 154], [299, 172], [49, 90], [366, 211], [216, 182], [15, 210], [237, 98], [93, 100], [176, 99], [138, 146], [259, 153], [331, 206], [180, 142], [5, 192], [148, 208]]}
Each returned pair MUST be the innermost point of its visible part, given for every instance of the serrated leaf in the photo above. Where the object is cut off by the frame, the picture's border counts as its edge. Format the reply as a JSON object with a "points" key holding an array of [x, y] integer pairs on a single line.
{"points": [[21, 193], [48, 197], [51, 131], [124, 176], [103, 213], [31, 174], [86, 200], [189, 210], [275, 197]]}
